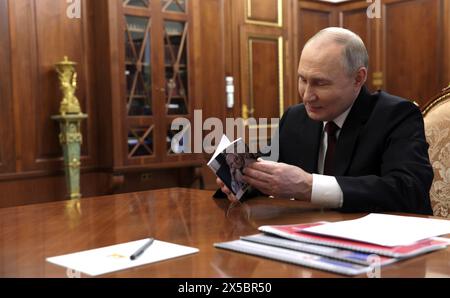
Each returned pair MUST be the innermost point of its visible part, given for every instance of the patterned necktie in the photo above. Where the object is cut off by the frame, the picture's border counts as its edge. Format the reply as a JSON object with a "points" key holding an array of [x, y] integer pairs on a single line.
{"points": [[331, 128]]}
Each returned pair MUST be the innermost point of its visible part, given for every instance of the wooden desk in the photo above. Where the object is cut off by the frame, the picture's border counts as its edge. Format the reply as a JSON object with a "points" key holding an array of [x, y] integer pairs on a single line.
{"points": [[29, 234]]}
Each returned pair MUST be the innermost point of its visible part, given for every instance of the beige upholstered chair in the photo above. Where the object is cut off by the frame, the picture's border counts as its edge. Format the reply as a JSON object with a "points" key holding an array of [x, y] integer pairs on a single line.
{"points": [[437, 130]]}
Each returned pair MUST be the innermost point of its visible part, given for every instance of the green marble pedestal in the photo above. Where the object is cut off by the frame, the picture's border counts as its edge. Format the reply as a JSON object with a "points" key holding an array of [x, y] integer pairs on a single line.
{"points": [[70, 138]]}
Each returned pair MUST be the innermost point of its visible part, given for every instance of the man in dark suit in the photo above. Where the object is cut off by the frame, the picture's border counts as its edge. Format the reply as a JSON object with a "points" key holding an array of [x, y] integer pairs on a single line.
{"points": [[343, 147]]}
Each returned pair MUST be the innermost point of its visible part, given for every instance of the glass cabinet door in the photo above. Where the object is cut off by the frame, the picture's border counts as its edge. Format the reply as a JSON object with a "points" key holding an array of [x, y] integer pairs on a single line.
{"points": [[138, 78], [136, 3], [176, 67], [173, 5], [156, 80], [137, 65]]}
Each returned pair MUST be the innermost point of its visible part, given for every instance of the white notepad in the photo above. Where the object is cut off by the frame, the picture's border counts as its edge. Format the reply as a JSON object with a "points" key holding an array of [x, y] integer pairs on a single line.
{"points": [[117, 257], [384, 229]]}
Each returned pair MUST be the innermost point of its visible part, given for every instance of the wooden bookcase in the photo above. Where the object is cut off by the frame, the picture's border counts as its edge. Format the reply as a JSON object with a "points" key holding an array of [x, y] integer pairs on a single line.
{"points": [[153, 45]]}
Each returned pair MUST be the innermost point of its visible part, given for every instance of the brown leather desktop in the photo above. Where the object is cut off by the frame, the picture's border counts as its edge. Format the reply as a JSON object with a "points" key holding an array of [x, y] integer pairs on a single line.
{"points": [[30, 234]]}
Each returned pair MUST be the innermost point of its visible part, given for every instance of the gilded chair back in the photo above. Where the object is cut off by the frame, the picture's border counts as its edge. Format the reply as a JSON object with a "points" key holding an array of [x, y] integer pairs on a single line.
{"points": [[437, 130]]}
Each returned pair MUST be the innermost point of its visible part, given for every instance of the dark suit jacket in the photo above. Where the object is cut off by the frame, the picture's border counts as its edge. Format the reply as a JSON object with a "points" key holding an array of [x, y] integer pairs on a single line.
{"points": [[381, 157]]}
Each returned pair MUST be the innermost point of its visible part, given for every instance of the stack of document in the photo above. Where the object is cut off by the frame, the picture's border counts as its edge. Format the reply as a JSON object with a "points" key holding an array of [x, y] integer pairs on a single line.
{"points": [[348, 247]]}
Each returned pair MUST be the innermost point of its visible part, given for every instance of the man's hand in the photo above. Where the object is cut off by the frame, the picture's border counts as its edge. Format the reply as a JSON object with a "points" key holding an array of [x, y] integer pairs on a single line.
{"points": [[279, 180], [226, 190]]}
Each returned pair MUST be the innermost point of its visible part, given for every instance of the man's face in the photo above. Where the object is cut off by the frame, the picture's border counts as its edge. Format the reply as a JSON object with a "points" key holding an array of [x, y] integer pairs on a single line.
{"points": [[234, 161], [325, 87]]}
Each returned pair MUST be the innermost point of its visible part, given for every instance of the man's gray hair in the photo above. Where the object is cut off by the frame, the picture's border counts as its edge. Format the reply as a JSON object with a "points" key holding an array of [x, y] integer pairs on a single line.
{"points": [[355, 52]]}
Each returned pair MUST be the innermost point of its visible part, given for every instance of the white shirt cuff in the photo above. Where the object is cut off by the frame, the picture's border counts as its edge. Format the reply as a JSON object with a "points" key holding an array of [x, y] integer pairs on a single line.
{"points": [[326, 192]]}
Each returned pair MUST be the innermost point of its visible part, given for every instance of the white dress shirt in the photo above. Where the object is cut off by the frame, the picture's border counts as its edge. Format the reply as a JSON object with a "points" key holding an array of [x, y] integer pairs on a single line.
{"points": [[325, 189]]}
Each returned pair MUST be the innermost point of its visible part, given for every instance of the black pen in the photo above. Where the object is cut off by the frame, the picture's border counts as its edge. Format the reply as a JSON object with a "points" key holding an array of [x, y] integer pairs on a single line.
{"points": [[141, 250]]}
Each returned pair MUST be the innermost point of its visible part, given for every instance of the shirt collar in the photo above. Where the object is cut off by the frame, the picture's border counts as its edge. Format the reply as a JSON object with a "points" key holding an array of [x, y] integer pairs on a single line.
{"points": [[339, 120]]}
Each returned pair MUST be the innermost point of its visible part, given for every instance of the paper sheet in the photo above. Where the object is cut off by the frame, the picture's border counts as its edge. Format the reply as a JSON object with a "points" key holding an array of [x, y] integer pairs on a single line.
{"points": [[386, 230], [223, 144], [117, 257]]}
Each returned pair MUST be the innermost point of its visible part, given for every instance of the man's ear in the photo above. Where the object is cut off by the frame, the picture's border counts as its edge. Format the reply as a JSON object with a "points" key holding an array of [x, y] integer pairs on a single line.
{"points": [[361, 77]]}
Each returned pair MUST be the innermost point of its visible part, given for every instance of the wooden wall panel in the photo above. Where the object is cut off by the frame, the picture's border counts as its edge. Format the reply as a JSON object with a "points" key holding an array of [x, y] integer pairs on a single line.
{"points": [[265, 77], [43, 189], [309, 18], [252, 40], [263, 10], [47, 189], [446, 53], [213, 47], [42, 35], [356, 20], [413, 50], [313, 17], [7, 156], [107, 74], [210, 54], [311, 22], [408, 46]]}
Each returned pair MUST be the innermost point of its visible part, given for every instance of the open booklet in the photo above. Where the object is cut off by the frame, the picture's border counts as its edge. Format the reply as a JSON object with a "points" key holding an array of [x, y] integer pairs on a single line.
{"points": [[228, 162]]}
